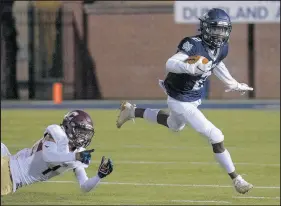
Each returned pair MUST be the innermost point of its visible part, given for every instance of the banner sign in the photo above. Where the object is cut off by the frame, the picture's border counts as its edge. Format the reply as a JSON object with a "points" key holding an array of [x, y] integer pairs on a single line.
{"points": [[239, 11]]}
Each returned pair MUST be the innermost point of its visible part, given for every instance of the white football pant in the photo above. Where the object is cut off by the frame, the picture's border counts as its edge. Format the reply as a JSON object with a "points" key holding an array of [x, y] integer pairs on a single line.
{"points": [[182, 113]]}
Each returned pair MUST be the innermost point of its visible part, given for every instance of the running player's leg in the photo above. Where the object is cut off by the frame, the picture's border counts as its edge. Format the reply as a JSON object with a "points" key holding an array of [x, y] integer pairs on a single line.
{"points": [[172, 120], [182, 113], [196, 119]]}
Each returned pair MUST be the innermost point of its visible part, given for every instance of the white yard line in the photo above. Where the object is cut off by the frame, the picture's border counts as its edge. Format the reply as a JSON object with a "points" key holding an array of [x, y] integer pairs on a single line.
{"points": [[252, 197], [167, 185], [195, 163], [186, 147], [200, 201], [174, 162]]}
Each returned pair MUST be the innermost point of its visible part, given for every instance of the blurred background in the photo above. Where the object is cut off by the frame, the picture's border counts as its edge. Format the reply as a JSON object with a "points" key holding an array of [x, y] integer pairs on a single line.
{"points": [[118, 49]]}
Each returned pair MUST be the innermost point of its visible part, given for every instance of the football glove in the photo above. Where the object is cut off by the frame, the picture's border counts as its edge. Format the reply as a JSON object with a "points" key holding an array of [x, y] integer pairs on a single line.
{"points": [[106, 167], [85, 156], [241, 87]]}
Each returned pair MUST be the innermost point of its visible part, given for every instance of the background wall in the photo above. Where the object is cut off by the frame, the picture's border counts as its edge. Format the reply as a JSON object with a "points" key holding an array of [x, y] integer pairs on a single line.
{"points": [[121, 53]]}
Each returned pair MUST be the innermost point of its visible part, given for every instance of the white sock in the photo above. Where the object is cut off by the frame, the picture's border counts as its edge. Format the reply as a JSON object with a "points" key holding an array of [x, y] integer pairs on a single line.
{"points": [[151, 114], [225, 161]]}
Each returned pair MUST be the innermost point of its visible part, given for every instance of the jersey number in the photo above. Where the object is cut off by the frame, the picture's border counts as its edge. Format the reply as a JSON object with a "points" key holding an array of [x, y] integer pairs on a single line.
{"points": [[200, 82], [39, 148]]}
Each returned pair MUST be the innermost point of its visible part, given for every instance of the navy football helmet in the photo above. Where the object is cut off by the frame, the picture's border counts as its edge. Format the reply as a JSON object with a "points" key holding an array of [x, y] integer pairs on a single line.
{"points": [[215, 27]]}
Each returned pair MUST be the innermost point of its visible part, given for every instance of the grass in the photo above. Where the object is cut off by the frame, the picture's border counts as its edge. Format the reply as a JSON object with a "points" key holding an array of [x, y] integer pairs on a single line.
{"points": [[178, 166]]}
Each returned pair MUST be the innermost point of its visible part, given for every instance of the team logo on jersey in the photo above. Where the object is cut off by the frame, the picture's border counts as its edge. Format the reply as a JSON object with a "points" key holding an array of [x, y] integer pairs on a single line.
{"points": [[187, 46]]}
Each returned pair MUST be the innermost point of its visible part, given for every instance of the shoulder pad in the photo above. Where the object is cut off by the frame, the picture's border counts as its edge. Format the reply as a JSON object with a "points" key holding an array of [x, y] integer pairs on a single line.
{"points": [[57, 133], [189, 45]]}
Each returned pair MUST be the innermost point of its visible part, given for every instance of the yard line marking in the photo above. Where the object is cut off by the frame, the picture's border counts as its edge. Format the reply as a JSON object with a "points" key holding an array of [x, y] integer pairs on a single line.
{"points": [[165, 147], [252, 197], [201, 201], [174, 162], [166, 185], [186, 147], [239, 163], [59, 181], [200, 163]]}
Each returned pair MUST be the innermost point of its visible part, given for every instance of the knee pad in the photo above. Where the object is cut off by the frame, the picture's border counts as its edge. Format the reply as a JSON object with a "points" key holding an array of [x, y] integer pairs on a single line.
{"points": [[174, 125], [215, 136], [218, 147]]}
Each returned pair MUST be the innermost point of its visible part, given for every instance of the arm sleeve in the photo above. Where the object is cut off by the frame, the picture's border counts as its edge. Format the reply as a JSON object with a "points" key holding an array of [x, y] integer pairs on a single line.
{"points": [[223, 74], [85, 183], [178, 64], [50, 154]]}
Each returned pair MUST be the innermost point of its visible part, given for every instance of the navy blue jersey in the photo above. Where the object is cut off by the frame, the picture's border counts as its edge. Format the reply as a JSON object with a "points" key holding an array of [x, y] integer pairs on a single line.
{"points": [[188, 88]]}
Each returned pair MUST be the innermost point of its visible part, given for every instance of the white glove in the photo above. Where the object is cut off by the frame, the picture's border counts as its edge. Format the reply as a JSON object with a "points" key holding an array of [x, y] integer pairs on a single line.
{"points": [[202, 68], [241, 87]]}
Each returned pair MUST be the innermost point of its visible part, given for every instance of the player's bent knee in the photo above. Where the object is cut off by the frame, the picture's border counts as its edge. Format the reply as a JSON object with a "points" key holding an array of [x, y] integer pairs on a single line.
{"points": [[177, 129], [216, 136], [174, 126], [218, 147]]}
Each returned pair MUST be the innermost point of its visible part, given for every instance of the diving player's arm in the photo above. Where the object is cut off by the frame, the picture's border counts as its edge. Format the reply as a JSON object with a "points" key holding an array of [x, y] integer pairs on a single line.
{"points": [[87, 184], [223, 74], [50, 152]]}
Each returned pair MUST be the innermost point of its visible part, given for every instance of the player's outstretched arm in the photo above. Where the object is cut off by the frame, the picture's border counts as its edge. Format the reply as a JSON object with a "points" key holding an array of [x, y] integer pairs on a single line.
{"points": [[84, 156], [232, 85], [87, 184], [50, 152], [223, 74]]}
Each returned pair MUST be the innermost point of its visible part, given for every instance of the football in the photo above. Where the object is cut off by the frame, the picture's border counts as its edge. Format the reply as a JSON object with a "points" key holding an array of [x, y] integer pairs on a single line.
{"points": [[194, 59]]}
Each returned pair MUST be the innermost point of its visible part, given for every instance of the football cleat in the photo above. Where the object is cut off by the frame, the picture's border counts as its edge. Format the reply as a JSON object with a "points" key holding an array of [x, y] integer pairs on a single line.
{"points": [[127, 112], [241, 185]]}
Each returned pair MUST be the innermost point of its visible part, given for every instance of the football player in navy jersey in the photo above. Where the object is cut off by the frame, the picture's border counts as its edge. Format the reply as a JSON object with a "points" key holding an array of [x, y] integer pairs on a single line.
{"points": [[197, 57]]}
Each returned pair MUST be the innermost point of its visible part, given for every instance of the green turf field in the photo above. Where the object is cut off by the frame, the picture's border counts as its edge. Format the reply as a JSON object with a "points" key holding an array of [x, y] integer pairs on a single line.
{"points": [[156, 166]]}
